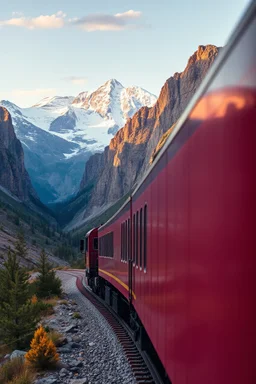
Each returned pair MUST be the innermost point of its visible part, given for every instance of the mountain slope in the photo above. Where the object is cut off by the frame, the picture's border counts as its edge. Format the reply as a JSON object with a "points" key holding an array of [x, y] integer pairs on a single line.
{"points": [[59, 132], [13, 175], [14, 178], [128, 156], [20, 207], [15, 216]]}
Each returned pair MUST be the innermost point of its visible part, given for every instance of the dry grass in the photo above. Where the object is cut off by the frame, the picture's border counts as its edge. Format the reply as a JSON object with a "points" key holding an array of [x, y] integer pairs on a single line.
{"points": [[26, 377], [48, 306], [51, 301], [16, 372], [31, 281], [56, 337], [61, 268], [4, 350], [76, 315], [64, 302], [45, 309]]}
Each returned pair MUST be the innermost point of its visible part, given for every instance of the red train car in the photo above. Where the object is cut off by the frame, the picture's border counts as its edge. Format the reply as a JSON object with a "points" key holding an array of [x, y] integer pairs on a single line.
{"points": [[181, 251], [91, 255]]}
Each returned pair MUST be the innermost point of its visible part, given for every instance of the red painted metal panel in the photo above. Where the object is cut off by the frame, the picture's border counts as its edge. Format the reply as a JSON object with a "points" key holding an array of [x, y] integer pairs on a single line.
{"points": [[91, 254], [114, 266]]}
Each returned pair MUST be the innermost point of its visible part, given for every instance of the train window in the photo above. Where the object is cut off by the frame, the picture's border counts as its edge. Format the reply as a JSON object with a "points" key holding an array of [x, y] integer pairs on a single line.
{"points": [[133, 238], [128, 239], [107, 245], [121, 241], [124, 241], [86, 244], [125, 230], [95, 243], [136, 240], [127, 242], [145, 238], [141, 237]]}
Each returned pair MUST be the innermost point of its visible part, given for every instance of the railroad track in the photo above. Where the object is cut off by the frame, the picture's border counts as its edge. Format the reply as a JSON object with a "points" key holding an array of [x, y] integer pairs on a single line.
{"points": [[137, 363]]}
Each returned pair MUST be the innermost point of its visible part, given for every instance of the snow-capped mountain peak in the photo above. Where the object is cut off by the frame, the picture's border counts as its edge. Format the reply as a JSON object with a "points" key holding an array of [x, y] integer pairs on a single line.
{"points": [[115, 102], [63, 129], [79, 99], [112, 83]]}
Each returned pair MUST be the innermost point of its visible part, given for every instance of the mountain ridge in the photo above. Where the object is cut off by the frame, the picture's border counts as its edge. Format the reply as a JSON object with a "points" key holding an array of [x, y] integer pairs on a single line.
{"points": [[81, 129], [124, 161]]}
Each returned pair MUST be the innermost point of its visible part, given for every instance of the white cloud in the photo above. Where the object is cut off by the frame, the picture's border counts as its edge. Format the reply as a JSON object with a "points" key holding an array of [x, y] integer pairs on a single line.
{"points": [[75, 80], [129, 14], [105, 22], [89, 23], [40, 22]]}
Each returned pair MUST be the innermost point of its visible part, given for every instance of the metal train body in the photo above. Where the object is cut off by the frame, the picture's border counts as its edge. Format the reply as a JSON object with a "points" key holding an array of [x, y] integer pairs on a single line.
{"points": [[91, 255], [182, 249]]}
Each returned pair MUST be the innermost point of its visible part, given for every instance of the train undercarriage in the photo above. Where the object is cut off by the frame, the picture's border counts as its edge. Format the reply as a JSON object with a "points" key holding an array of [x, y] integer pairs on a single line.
{"points": [[125, 311]]}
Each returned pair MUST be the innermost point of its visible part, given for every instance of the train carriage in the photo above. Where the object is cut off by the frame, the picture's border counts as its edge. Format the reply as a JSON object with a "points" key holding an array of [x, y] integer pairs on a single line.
{"points": [[181, 250], [90, 246]]}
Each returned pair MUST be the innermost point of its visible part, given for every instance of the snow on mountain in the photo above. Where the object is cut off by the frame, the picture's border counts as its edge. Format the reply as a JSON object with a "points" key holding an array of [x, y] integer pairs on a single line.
{"points": [[133, 98], [41, 116], [91, 119], [55, 102], [114, 102], [76, 126], [79, 100]]}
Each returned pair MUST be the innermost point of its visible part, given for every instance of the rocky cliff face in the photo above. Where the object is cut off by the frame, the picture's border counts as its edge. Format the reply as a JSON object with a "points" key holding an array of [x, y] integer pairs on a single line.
{"points": [[94, 168], [13, 175], [128, 156]]}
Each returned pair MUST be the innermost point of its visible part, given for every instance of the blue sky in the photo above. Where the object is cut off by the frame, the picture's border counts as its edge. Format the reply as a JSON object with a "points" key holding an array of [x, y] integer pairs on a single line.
{"points": [[65, 47]]}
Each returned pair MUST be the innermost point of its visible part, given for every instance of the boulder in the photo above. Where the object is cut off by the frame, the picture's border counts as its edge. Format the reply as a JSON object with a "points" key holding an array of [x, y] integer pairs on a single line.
{"points": [[17, 353], [79, 381], [71, 329]]}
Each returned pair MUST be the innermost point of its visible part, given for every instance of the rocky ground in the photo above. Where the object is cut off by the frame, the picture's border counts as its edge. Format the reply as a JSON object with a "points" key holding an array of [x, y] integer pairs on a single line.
{"points": [[90, 352]]}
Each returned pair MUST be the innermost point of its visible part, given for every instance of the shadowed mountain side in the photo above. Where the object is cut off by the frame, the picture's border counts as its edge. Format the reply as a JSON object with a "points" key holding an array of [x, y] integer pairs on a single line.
{"points": [[14, 178], [13, 175]]}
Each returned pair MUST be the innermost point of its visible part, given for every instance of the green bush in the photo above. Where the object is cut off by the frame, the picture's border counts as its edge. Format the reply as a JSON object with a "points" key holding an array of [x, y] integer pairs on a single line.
{"points": [[76, 315], [45, 309], [47, 283], [18, 315]]}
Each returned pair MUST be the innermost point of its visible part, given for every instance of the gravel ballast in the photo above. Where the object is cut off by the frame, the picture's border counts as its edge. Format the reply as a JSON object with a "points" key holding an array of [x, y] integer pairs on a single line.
{"points": [[90, 352]]}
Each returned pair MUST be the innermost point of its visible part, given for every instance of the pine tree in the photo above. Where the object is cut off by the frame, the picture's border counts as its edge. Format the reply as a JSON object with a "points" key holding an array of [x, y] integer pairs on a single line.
{"points": [[43, 353], [18, 316], [21, 246], [7, 276], [48, 284]]}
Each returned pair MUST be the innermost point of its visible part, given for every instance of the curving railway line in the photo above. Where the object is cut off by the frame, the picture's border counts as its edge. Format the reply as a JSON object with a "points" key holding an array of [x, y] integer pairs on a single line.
{"points": [[143, 371]]}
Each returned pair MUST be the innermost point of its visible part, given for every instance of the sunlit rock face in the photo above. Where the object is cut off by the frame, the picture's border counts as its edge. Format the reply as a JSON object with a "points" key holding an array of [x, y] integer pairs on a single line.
{"points": [[128, 155]]}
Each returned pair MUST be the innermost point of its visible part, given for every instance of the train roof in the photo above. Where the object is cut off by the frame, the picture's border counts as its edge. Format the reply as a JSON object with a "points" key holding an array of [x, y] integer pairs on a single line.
{"points": [[91, 230]]}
